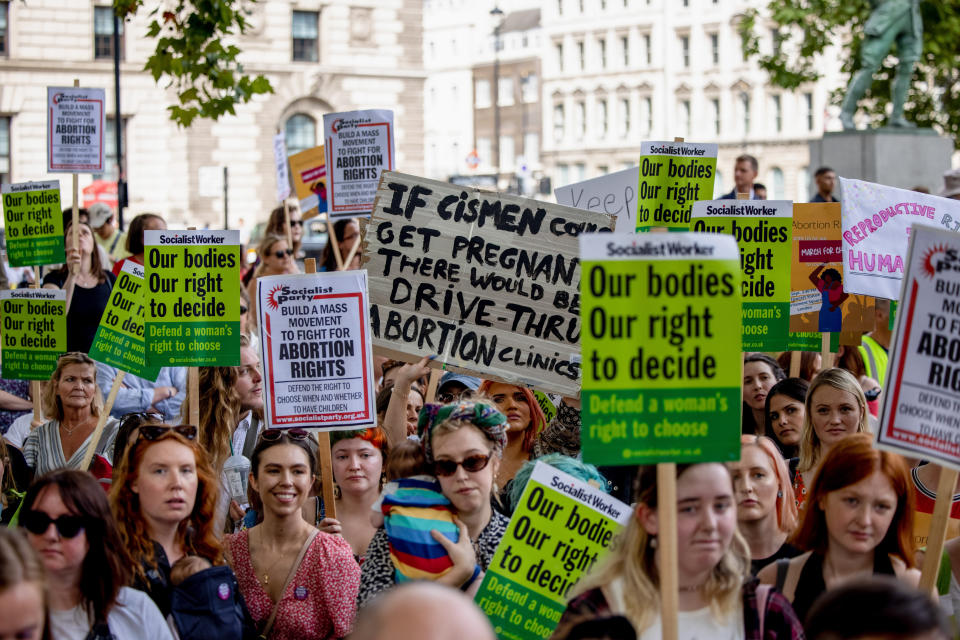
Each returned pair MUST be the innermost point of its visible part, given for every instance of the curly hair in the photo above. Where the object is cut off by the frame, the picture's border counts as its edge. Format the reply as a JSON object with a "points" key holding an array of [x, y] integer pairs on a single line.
{"points": [[196, 533], [220, 409], [538, 421]]}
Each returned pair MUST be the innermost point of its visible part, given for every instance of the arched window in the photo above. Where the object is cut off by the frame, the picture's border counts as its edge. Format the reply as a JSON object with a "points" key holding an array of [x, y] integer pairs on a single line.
{"points": [[775, 188], [718, 184], [300, 133]]}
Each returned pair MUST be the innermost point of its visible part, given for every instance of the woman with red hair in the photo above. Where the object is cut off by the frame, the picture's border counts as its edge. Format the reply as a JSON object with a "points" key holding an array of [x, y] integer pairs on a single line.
{"points": [[859, 520]]}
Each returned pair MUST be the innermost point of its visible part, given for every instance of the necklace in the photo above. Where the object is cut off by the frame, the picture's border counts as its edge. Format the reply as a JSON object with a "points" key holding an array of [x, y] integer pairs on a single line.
{"points": [[69, 430], [692, 589], [266, 573]]}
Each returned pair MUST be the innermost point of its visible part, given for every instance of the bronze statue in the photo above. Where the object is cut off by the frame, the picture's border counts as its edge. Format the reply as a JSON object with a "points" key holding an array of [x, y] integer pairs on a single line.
{"points": [[891, 21]]}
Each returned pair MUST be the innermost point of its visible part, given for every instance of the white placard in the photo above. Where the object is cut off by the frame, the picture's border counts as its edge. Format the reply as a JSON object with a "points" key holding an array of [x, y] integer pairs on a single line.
{"points": [[614, 194], [317, 354], [281, 166], [359, 145], [75, 129]]}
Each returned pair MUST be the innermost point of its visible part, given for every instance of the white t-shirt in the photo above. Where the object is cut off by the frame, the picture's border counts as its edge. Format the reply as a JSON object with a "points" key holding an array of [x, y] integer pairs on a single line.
{"points": [[19, 430], [133, 616], [700, 625]]}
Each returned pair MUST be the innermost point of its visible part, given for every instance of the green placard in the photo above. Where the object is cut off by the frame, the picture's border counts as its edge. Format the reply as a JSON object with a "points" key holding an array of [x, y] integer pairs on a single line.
{"points": [[811, 341], [119, 341], [192, 298], [547, 405], [33, 223], [673, 175], [558, 532], [764, 232], [34, 332], [893, 314], [660, 347]]}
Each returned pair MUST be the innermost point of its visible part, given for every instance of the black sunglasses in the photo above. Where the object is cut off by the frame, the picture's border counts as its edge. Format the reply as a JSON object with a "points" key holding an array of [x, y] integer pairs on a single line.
{"points": [[296, 434], [37, 523], [140, 417], [296, 223], [472, 464], [243, 309], [280, 254], [154, 431]]}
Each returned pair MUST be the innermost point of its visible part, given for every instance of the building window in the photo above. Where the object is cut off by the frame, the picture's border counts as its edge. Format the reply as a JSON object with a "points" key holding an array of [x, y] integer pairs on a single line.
{"points": [[581, 171], [647, 116], [4, 6], [777, 113], [508, 153], [482, 97], [625, 47], [685, 117], [625, 116], [745, 112], [581, 55], [564, 174], [559, 7], [603, 53], [715, 107], [560, 56], [580, 119], [300, 133], [558, 122], [602, 117], [648, 49], [305, 31], [808, 104], [603, 5], [529, 88], [602, 170], [485, 151], [102, 32], [715, 48], [531, 148], [581, 6], [505, 92], [775, 40], [775, 181], [685, 51], [110, 148], [5, 149]]}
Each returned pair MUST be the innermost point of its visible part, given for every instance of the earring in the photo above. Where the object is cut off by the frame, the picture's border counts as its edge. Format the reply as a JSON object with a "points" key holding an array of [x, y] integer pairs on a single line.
{"points": [[336, 492], [653, 542], [779, 494]]}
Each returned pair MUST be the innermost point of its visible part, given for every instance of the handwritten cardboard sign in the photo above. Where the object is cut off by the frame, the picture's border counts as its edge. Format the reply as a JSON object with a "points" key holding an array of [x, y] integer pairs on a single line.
{"points": [[920, 416], [673, 175], [876, 232], [359, 147], [487, 281], [561, 528], [317, 356], [33, 222], [75, 128], [661, 348], [34, 332], [614, 194]]}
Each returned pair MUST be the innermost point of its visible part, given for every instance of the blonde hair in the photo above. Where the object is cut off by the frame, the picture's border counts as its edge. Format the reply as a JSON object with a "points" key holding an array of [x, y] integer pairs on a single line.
{"points": [[842, 380], [263, 249], [51, 399], [220, 410], [632, 561]]}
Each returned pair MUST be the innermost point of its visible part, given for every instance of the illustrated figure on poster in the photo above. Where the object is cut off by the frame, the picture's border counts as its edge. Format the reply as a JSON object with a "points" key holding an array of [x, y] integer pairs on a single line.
{"points": [[830, 285], [319, 189]]}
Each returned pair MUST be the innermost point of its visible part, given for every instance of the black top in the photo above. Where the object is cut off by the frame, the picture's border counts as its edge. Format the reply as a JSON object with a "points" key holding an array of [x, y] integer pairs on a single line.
{"points": [[811, 584], [819, 198], [157, 585], [86, 307], [785, 551]]}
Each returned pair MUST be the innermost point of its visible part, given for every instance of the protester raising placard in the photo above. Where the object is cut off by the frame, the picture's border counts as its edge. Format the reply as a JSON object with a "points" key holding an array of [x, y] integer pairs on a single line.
{"points": [[309, 169], [75, 130], [489, 282], [33, 223], [359, 147], [763, 232], [614, 194], [661, 350], [560, 529], [120, 341], [672, 176], [317, 355], [876, 231], [34, 332], [193, 301]]}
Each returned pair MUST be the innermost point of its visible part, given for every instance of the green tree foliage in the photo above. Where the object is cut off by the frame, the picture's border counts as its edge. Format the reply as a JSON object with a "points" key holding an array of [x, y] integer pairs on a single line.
{"points": [[190, 51], [805, 28]]}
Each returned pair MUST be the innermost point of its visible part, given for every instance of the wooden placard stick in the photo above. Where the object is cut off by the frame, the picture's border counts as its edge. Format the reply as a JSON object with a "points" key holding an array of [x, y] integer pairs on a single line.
{"points": [[36, 390], [938, 528], [826, 357], [353, 251], [795, 357], [332, 238], [743, 196], [286, 218], [193, 389], [102, 422], [324, 458], [435, 375]]}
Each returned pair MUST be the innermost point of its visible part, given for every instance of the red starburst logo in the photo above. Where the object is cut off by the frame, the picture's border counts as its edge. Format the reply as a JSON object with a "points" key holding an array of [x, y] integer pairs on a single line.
{"points": [[272, 298], [931, 257]]}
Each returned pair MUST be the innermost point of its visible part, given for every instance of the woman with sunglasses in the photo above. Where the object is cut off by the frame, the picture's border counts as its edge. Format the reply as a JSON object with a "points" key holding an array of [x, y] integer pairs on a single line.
{"points": [[73, 399], [276, 258], [297, 581], [347, 231], [24, 608], [277, 225], [69, 524], [463, 443], [163, 496]]}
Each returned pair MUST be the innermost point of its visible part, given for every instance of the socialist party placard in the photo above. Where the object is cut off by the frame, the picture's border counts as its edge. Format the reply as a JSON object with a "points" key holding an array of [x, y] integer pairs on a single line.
{"points": [[317, 352], [192, 298], [33, 223], [661, 348], [75, 124], [561, 528], [920, 416], [673, 175], [764, 233], [359, 146], [34, 332], [119, 341]]}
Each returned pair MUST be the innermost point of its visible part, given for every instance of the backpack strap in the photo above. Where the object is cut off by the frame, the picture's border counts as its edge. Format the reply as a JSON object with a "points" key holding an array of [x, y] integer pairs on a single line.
{"points": [[763, 594], [293, 570], [250, 439], [783, 564]]}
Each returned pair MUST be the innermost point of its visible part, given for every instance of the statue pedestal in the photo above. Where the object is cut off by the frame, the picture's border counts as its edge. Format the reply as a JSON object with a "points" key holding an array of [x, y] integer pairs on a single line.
{"points": [[903, 158]]}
